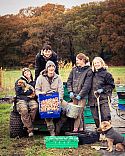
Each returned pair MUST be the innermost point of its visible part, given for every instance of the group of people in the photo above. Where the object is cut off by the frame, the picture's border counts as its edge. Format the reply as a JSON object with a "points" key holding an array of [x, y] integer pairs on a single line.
{"points": [[82, 84]]}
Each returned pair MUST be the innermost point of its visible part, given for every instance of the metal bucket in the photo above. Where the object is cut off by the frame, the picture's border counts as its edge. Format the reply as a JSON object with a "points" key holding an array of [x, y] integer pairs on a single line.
{"points": [[72, 110]]}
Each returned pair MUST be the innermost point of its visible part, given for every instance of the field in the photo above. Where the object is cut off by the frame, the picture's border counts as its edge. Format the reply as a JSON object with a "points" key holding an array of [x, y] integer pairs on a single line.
{"points": [[35, 146]]}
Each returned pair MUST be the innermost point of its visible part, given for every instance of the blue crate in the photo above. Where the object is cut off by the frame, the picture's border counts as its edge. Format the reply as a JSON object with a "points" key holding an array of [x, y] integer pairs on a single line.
{"points": [[49, 105], [121, 106]]}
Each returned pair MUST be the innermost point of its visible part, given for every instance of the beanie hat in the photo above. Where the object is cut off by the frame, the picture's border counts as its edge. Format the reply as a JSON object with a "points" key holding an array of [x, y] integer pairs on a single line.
{"points": [[50, 63]]}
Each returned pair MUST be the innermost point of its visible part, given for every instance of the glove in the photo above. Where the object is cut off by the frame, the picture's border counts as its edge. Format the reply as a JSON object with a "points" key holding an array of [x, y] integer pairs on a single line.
{"points": [[71, 95], [99, 91], [78, 97]]}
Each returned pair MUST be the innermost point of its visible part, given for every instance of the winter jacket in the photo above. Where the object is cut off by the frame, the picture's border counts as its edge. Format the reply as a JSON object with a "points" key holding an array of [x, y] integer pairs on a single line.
{"points": [[43, 84], [21, 94], [40, 63], [79, 81], [102, 79]]}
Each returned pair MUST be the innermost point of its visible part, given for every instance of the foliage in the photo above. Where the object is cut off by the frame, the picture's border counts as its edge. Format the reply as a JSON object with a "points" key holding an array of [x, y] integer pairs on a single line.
{"points": [[97, 29]]}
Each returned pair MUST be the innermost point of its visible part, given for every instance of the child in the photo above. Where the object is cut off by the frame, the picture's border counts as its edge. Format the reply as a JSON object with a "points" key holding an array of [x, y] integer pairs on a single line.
{"points": [[79, 84]]}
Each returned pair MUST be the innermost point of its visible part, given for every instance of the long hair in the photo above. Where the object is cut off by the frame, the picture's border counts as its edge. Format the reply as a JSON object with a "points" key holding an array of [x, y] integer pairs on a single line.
{"points": [[100, 60]]}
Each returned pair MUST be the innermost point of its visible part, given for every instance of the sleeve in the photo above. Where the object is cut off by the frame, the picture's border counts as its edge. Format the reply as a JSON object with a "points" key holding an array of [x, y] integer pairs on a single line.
{"points": [[37, 67], [38, 86], [109, 84], [56, 64], [87, 84], [60, 88], [20, 91], [70, 82]]}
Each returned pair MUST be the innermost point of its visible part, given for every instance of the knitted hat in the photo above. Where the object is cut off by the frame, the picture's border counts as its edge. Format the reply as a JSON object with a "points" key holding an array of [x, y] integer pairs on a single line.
{"points": [[50, 63]]}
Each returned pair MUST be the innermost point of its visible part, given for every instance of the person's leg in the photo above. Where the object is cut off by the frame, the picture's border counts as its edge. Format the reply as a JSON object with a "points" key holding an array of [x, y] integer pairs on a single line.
{"points": [[22, 108], [50, 126], [63, 117], [33, 106], [94, 110], [78, 124], [105, 112]]}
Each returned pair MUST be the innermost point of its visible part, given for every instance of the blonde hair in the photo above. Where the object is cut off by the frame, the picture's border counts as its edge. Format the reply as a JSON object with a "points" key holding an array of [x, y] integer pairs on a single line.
{"points": [[102, 63]]}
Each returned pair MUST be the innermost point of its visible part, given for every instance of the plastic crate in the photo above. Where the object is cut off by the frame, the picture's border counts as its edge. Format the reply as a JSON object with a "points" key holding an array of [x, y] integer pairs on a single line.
{"points": [[121, 101], [89, 120], [123, 134], [66, 94], [49, 105], [121, 107], [121, 95], [61, 141], [87, 112], [120, 88]]}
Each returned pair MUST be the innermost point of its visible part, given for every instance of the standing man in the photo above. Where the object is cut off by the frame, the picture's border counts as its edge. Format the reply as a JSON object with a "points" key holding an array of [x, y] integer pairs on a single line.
{"points": [[79, 84], [42, 57]]}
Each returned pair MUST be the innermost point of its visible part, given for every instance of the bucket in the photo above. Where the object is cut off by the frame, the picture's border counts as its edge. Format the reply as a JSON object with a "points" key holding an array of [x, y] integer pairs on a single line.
{"points": [[72, 110]]}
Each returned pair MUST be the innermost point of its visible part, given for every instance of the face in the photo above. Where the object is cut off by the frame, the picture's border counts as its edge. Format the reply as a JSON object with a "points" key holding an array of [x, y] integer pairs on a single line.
{"points": [[27, 74], [51, 70], [80, 62], [47, 53], [97, 64]]}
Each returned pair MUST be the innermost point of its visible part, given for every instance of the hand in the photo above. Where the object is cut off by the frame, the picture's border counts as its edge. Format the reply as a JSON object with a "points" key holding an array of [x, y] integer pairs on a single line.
{"points": [[78, 97], [99, 91], [71, 95]]}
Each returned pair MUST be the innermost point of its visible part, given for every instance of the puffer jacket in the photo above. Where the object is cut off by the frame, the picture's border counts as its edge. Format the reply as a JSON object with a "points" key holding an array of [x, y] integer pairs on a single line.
{"points": [[102, 79], [40, 63], [79, 81], [43, 84], [20, 93]]}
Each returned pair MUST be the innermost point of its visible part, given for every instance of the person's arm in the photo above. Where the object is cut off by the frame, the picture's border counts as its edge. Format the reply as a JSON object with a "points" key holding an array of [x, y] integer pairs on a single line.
{"points": [[109, 83], [38, 86], [20, 91], [60, 89], [37, 66], [87, 85], [70, 82]]}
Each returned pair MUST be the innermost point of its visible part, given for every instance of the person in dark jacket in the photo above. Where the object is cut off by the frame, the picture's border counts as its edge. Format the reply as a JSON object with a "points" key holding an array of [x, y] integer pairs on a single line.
{"points": [[78, 85], [42, 57], [102, 85], [25, 95]]}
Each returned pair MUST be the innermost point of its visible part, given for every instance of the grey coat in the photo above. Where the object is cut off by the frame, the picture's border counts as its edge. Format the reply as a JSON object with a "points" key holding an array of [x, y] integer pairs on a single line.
{"points": [[43, 84]]}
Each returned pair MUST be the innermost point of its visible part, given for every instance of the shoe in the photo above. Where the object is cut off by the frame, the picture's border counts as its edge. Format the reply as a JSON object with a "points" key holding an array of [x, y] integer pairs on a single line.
{"points": [[75, 130], [52, 133], [30, 134]]}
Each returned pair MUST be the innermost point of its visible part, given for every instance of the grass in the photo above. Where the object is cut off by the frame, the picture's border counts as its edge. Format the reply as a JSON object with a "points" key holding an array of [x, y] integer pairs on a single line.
{"points": [[32, 146], [10, 76], [35, 146]]}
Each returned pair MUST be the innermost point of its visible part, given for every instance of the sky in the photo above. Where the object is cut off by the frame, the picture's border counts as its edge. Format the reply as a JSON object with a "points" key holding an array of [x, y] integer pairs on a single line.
{"points": [[13, 6]]}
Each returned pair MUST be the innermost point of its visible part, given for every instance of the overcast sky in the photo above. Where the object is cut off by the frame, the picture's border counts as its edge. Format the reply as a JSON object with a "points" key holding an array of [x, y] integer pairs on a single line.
{"points": [[13, 6]]}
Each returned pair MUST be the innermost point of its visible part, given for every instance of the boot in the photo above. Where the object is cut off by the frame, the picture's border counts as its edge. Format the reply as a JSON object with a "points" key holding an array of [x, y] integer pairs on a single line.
{"points": [[52, 133], [51, 130]]}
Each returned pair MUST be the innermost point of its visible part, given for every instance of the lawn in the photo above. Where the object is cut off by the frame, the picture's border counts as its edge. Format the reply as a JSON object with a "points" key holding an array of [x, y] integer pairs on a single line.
{"points": [[10, 76], [35, 146], [32, 146]]}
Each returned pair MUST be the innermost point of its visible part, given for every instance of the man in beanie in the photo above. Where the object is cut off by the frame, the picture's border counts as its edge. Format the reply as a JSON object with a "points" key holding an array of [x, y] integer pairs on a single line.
{"points": [[42, 57], [26, 104], [49, 81]]}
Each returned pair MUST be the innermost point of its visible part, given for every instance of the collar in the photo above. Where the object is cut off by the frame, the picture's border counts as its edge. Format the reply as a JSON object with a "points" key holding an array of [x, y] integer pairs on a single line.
{"points": [[108, 130]]}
